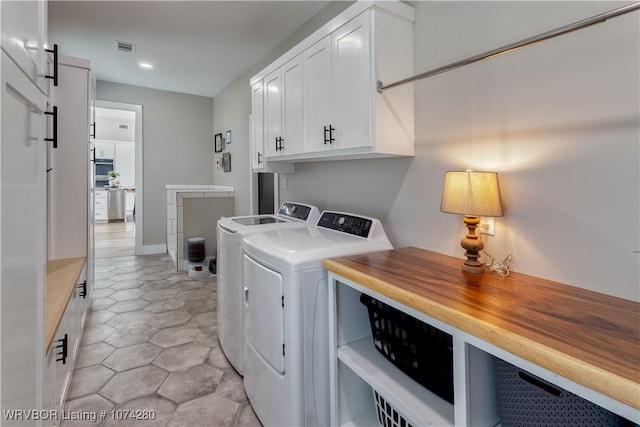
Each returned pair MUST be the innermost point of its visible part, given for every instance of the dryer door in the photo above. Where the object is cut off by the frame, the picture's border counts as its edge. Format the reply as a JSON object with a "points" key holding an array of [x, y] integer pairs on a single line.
{"points": [[264, 314]]}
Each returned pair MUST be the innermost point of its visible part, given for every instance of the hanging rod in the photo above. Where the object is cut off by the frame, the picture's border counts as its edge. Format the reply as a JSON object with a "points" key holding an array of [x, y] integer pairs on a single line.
{"points": [[380, 86]]}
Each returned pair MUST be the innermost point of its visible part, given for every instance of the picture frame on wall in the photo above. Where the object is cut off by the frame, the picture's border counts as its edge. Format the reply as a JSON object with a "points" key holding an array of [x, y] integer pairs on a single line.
{"points": [[219, 144], [228, 137], [226, 162]]}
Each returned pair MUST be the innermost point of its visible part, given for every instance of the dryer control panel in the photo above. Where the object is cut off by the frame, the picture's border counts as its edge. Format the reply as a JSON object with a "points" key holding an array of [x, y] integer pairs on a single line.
{"points": [[295, 210], [358, 226]]}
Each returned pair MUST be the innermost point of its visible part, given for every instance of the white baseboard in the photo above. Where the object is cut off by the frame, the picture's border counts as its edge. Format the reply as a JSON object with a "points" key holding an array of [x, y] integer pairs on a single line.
{"points": [[153, 249]]}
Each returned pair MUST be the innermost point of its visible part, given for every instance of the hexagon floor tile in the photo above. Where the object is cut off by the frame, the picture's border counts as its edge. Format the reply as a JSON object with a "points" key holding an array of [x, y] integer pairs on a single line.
{"points": [[151, 343], [134, 383], [133, 356], [181, 356]]}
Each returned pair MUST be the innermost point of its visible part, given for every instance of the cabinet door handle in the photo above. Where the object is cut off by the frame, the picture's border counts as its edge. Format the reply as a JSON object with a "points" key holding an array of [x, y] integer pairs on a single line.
{"points": [[82, 289], [93, 135], [63, 345], [259, 156], [55, 126], [325, 135], [331, 129], [55, 64], [93, 150], [246, 296], [281, 144]]}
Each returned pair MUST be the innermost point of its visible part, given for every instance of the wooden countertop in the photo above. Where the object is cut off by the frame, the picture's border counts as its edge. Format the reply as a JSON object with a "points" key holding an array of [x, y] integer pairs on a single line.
{"points": [[62, 277], [588, 337]]}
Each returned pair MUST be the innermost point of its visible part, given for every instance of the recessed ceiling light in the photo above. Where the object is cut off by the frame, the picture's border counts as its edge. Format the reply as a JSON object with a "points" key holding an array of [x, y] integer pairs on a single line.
{"points": [[145, 65]]}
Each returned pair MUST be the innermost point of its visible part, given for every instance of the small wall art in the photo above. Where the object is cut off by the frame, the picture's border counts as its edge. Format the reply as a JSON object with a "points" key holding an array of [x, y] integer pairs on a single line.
{"points": [[228, 138], [218, 143], [226, 162]]}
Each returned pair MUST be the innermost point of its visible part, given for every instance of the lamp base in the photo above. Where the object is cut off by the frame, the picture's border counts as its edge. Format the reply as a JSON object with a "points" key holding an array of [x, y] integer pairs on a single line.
{"points": [[472, 268], [472, 245]]}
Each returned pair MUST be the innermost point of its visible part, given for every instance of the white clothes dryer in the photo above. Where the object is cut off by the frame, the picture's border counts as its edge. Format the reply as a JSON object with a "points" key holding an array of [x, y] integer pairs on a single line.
{"points": [[230, 233], [286, 371]]}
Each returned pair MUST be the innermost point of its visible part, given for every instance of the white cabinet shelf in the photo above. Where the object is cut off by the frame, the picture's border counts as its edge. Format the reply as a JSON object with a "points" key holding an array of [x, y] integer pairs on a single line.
{"points": [[420, 406]]}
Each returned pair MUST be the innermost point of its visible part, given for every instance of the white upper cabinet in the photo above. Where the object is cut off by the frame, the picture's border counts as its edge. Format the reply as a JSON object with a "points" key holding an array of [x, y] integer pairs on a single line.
{"points": [[292, 141], [272, 112], [24, 38], [257, 127], [283, 110], [266, 109], [318, 95], [342, 114]]}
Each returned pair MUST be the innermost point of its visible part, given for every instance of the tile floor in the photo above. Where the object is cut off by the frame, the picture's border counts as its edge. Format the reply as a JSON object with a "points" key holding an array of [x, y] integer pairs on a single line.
{"points": [[151, 343]]}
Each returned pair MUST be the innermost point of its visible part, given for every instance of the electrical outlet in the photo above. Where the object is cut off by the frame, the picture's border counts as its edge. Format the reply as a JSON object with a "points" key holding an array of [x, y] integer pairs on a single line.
{"points": [[487, 225]]}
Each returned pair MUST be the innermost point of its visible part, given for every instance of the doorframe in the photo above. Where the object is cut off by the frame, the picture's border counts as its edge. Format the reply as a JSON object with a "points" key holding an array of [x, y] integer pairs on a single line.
{"points": [[137, 109]]}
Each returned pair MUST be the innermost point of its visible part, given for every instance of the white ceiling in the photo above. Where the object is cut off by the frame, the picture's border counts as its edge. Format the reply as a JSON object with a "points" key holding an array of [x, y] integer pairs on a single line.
{"points": [[196, 47]]}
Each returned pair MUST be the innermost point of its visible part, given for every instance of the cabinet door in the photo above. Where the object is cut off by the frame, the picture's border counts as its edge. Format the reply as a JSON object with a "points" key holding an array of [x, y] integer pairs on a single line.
{"points": [[292, 108], [24, 36], [67, 330], [124, 163], [105, 150], [273, 112], [22, 235], [352, 83], [257, 126], [318, 97], [69, 184]]}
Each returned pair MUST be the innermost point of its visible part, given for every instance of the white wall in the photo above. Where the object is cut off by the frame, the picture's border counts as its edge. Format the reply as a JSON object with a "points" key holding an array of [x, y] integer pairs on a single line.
{"points": [[177, 145], [233, 106], [559, 121], [108, 128]]}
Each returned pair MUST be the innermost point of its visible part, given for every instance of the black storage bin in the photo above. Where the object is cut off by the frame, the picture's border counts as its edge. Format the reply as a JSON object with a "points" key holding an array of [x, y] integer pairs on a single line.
{"points": [[418, 349], [528, 401], [195, 249]]}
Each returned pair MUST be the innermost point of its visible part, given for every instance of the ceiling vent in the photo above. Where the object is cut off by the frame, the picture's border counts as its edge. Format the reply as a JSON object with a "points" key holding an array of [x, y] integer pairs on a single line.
{"points": [[123, 126], [125, 46]]}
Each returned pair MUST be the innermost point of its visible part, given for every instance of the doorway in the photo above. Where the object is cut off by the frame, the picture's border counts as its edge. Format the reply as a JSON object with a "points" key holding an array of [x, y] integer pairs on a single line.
{"points": [[266, 193], [118, 201]]}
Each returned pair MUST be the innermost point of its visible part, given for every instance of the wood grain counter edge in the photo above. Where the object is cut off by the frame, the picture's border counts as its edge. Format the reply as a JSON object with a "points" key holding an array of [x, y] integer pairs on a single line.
{"points": [[62, 277], [579, 371]]}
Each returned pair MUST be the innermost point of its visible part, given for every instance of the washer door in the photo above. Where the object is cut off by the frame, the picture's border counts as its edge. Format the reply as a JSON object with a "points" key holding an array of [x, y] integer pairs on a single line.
{"points": [[264, 314]]}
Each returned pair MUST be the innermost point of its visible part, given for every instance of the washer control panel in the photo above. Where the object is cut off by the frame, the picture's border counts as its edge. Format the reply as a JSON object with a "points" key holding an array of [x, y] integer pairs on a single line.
{"points": [[294, 210], [346, 223]]}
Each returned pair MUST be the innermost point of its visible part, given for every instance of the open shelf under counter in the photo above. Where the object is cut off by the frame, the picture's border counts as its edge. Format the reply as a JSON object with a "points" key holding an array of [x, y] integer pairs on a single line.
{"points": [[581, 341], [417, 404]]}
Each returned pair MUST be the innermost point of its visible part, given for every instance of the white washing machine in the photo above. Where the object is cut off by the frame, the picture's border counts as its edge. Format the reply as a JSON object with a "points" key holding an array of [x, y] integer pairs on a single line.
{"points": [[230, 233], [286, 370]]}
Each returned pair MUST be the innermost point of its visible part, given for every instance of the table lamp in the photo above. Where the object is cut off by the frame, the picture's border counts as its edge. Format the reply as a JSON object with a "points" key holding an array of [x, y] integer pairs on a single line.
{"points": [[471, 194]]}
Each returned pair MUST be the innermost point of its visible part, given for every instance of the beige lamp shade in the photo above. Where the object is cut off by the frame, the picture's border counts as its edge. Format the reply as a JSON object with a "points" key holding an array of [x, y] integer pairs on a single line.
{"points": [[471, 193]]}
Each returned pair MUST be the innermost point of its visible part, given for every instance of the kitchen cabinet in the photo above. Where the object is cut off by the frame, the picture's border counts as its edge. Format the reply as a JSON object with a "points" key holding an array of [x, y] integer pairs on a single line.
{"points": [[566, 344], [258, 162], [257, 133], [101, 208], [283, 110], [22, 232], [24, 38], [69, 187], [343, 115], [318, 95], [125, 162], [105, 150]]}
